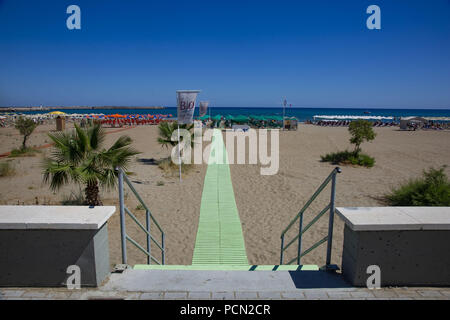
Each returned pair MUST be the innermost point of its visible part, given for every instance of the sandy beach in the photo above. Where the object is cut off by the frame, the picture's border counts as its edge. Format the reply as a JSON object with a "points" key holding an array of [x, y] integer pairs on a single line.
{"points": [[266, 204]]}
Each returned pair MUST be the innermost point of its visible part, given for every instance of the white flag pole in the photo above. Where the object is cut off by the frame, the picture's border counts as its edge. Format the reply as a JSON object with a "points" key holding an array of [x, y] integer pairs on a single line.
{"points": [[179, 149]]}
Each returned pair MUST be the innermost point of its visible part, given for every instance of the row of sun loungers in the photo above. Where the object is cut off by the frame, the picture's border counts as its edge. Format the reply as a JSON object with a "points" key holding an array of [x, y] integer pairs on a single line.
{"points": [[345, 123]]}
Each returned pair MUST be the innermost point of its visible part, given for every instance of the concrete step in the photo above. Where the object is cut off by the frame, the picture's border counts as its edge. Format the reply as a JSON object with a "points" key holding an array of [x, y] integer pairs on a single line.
{"points": [[228, 267], [144, 280]]}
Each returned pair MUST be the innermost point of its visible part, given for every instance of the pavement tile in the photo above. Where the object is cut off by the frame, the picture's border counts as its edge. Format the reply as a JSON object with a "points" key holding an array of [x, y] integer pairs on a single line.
{"points": [[102, 295], [269, 295], [293, 295], [58, 295], [34, 294], [316, 294], [407, 293], [362, 294], [384, 293], [175, 295], [246, 295], [11, 293], [133, 296], [429, 293], [223, 296], [152, 296], [445, 293], [199, 295], [338, 294], [75, 295]]}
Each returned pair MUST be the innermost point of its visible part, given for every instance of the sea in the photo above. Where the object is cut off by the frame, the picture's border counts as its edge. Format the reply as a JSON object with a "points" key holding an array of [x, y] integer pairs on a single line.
{"points": [[302, 114]]}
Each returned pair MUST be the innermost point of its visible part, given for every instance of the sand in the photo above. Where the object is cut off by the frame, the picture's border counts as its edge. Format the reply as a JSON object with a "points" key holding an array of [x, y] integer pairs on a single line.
{"points": [[266, 204]]}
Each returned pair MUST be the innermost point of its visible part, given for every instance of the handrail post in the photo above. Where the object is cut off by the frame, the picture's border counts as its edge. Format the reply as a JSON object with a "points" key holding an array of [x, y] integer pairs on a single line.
{"points": [[147, 220], [282, 247], [122, 217], [299, 249], [164, 248], [331, 219]]}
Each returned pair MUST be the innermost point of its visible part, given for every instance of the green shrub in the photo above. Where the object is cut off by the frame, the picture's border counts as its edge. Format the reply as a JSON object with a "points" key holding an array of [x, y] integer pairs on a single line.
{"points": [[349, 157], [26, 127], [74, 199], [172, 168], [140, 207], [360, 130], [7, 169], [26, 152], [433, 189]]}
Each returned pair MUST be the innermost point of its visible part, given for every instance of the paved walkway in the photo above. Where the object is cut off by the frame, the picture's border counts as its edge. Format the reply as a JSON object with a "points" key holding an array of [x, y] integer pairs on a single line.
{"points": [[309, 294], [219, 237]]}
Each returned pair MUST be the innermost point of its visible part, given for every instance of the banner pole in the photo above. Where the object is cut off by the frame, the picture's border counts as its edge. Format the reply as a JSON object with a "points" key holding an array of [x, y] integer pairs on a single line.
{"points": [[179, 150]]}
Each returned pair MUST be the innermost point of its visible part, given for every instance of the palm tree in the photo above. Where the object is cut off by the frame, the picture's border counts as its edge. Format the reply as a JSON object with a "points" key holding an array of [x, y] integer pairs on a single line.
{"points": [[79, 157], [166, 129]]}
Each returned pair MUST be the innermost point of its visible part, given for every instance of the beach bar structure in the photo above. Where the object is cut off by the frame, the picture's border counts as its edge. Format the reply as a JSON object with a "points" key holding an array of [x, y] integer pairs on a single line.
{"points": [[405, 122], [39, 243], [410, 245]]}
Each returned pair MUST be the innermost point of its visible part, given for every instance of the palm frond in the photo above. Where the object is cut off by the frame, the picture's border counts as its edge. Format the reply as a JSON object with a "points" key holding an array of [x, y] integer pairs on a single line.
{"points": [[82, 141], [96, 136]]}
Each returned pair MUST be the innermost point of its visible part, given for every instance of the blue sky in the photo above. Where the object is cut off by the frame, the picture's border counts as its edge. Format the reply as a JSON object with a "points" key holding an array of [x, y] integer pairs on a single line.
{"points": [[239, 53]]}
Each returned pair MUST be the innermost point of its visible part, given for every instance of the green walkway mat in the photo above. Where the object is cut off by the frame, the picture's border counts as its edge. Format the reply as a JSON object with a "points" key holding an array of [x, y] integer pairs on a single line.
{"points": [[219, 237]]}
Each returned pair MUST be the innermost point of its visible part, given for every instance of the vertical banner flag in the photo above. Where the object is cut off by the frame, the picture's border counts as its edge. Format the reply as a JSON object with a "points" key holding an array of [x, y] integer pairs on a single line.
{"points": [[186, 105], [203, 108]]}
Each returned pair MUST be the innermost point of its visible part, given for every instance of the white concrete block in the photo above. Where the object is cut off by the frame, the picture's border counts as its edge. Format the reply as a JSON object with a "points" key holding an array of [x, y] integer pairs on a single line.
{"points": [[395, 218], [54, 217]]}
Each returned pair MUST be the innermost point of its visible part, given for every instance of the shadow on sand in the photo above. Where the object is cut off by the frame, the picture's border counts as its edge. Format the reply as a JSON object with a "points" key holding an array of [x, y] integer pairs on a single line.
{"points": [[151, 161]]}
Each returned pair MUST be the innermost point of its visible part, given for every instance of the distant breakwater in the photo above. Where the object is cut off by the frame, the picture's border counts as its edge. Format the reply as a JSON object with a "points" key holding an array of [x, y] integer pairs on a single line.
{"points": [[25, 109]]}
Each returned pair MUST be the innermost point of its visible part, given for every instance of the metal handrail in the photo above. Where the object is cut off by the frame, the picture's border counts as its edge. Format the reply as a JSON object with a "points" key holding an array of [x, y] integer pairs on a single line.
{"points": [[330, 207], [140, 199], [132, 216], [313, 197], [308, 226], [148, 217]]}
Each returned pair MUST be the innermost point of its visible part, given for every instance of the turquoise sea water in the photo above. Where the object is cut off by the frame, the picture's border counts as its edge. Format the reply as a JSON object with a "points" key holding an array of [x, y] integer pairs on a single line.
{"points": [[301, 113]]}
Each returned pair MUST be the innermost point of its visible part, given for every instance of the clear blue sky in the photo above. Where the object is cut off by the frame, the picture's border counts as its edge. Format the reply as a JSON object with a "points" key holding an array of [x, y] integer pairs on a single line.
{"points": [[239, 53]]}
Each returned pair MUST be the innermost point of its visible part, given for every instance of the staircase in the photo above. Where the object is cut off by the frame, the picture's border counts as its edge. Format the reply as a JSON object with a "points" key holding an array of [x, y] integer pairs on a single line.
{"points": [[219, 252]]}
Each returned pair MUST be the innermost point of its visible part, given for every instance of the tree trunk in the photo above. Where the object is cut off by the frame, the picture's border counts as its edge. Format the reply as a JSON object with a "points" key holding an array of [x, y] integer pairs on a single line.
{"points": [[24, 142], [92, 194], [357, 150]]}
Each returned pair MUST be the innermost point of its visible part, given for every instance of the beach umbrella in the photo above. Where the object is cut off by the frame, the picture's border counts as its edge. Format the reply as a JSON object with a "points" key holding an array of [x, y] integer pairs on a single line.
{"points": [[59, 113], [276, 118], [116, 116], [217, 117], [259, 118], [240, 118]]}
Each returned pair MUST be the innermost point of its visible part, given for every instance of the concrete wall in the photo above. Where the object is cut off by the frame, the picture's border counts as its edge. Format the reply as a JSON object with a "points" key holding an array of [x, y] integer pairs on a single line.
{"points": [[39, 243], [40, 257], [405, 257]]}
